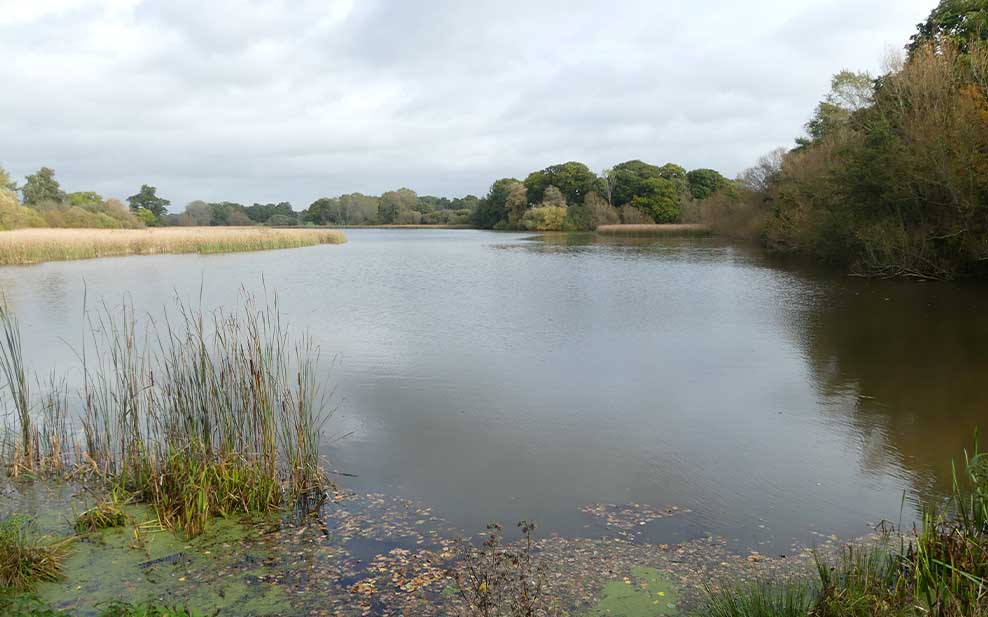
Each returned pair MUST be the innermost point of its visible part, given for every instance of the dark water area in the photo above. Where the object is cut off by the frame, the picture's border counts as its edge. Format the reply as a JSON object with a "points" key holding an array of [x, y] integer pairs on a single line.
{"points": [[496, 377]]}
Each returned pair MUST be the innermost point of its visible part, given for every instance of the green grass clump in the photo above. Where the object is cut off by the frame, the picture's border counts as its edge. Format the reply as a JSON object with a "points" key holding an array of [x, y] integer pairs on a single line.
{"points": [[865, 582], [762, 599], [104, 515], [27, 558]]}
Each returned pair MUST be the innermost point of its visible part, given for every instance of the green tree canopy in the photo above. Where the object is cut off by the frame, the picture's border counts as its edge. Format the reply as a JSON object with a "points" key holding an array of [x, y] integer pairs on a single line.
{"points": [[659, 199], [574, 180], [148, 199], [491, 209], [849, 92], [86, 199], [705, 182], [42, 187], [516, 204], [628, 178], [953, 21], [394, 202]]}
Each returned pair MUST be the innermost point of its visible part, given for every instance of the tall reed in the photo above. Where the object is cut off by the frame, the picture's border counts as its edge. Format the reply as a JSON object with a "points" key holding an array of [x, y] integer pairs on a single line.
{"points": [[199, 415]]}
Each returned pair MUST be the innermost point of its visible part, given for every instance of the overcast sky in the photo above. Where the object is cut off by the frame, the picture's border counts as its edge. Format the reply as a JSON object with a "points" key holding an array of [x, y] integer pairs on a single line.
{"points": [[270, 101]]}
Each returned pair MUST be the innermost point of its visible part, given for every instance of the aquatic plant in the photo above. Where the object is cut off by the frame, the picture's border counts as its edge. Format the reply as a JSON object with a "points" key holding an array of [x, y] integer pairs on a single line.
{"points": [[30, 246], [201, 416], [27, 558], [949, 561], [106, 514], [762, 599]]}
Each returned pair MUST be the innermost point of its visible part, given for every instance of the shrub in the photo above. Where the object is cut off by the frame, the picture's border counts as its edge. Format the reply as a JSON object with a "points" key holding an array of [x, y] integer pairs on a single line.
{"points": [[545, 218]]}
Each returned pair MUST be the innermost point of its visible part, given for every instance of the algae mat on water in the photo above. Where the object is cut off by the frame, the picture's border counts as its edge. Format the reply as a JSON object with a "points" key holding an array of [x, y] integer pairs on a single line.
{"points": [[646, 593], [215, 572]]}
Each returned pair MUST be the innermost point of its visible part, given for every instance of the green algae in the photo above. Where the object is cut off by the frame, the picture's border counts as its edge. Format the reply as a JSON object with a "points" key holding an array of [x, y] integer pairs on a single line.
{"points": [[646, 593], [138, 564]]}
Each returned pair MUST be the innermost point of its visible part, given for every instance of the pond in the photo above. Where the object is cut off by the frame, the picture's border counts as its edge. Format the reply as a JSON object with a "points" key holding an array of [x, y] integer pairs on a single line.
{"points": [[500, 377]]}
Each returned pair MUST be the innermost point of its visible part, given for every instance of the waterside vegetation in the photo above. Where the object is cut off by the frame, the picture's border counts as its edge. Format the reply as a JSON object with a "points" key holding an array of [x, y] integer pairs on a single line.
{"points": [[29, 246], [891, 179], [203, 416]]}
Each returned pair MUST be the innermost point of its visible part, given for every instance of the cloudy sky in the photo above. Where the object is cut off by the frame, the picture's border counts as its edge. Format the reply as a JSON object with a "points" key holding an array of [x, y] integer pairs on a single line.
{"points": [[250, 100]]}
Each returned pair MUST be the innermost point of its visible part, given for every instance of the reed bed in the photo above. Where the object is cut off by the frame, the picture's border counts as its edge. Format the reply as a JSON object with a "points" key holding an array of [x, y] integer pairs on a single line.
{"points": [[29, 246], [690, 229], [197, 415]]}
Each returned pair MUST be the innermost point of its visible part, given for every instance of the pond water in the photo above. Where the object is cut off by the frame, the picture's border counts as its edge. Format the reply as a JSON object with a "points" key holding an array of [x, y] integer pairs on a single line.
{"points": [[499, 377]]}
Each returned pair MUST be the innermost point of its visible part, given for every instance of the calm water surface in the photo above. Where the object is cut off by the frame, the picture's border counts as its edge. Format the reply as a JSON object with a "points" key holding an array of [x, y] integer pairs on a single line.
{"points": [[495, 377]]}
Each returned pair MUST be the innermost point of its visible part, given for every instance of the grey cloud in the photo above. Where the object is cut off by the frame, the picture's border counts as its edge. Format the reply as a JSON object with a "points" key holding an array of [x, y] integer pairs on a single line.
{"points": [[272, 100]]}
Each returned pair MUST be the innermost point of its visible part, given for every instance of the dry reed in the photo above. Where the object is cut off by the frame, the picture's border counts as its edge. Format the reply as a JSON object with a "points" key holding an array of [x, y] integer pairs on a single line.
{"points": [[29, 246]]}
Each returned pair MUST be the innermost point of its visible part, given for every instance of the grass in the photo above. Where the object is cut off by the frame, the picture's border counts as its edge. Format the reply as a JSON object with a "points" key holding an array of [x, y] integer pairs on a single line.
{"points": [[762, 599], [106, 514], [27, 558], [200, 416], [941, 571], [686, 229], [30, 246]]}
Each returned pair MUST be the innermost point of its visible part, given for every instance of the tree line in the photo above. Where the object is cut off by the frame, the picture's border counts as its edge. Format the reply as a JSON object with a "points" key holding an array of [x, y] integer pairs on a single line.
{"points": [[565, 197], [891, 178]]}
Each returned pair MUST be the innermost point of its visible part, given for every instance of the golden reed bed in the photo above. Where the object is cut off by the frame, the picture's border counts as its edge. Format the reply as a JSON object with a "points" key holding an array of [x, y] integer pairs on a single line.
{"points": [[29, 246]]}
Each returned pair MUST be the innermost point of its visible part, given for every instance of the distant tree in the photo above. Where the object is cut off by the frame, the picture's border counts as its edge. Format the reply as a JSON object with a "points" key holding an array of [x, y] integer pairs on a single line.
{"points": [[607, 184], [146, 198], [147, 217], [515, 205], [628, 179], [359, 209], [86, 199], [573, 179], [408, 217], [197, 214], [467, 202], [705, 182], [42, 187], [491, 209], [325, 211], [393, 202], [553, 198], [260, 213], [849, 92], [760, 177], [281, 220], [658, 199], [599, 212], [671, 171], [229, 213], [954, 22], [6, 182]]}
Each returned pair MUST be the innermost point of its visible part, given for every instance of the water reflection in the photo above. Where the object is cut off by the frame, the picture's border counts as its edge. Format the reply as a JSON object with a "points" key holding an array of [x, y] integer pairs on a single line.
{"points": [[493, 376]]}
